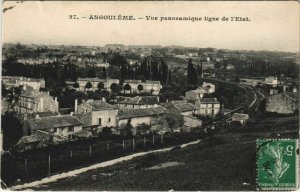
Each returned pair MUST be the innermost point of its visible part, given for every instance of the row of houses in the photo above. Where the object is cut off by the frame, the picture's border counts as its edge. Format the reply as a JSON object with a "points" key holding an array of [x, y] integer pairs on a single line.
{"points": [[129, 86], [14, 81]]}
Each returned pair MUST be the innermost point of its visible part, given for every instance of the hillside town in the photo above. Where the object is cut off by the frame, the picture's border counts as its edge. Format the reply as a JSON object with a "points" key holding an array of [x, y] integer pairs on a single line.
{"points": [[60, 94], [135, 95]]}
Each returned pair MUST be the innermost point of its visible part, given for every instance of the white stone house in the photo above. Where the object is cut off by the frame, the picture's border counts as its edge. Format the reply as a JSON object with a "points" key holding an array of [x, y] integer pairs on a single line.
{"points": [[95, 81], [241, 118], [139, 116], [62, 125], [36, 102], [180, 107], [208, 106], [97, 113], [209, 87], [152, 87], [139, 102]]}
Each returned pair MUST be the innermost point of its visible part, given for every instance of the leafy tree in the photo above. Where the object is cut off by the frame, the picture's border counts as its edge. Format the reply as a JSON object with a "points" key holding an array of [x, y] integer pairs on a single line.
{"points": [[76, 85], [191, 73], [140, 87], [126, 130], [115, 88], [88, 85], [143, 129], [127, 87], [172, 120], [100, 86], [11, 128]]}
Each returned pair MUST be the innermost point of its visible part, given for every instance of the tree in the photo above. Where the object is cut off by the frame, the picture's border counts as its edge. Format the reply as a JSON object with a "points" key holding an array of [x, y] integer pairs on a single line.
{"points": [[143, 129], [191, 73], [126, 129], [88, 85], [127, 87], [12, 130], [140, 87], [76, 85], [115, 88], [100, 86], [172, 120]]}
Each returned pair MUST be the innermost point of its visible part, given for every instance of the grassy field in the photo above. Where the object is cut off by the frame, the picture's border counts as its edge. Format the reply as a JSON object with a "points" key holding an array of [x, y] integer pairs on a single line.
{"points": [[223, 162]]}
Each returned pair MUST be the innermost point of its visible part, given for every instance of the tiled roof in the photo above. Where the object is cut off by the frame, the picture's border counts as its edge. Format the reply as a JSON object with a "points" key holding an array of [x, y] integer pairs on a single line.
{"points": [[182, 106], [131, 113], [54, 122], [142, 100], [132, 81], [42, 114], [209, 100], [35, 95], [30, 139], [100, 105], [153, 82], [91, 79], [240, 116]]}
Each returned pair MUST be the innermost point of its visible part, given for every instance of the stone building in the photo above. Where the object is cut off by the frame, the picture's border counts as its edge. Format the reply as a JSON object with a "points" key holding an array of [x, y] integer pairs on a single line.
{"points": [[14, 81], [139, 116], [208, 106], [36, 102], [139, 102], [97, 113], [62, 125], [82, 82], [180, 107], [283, 103], [137, 86]]}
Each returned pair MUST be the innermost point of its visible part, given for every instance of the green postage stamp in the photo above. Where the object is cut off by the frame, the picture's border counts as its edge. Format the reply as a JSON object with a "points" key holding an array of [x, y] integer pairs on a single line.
{"points": [[277, 164]]}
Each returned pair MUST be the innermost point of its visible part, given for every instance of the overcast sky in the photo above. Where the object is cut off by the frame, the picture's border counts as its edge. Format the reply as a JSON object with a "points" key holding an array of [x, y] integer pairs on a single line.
{"points": [[273, 25]]}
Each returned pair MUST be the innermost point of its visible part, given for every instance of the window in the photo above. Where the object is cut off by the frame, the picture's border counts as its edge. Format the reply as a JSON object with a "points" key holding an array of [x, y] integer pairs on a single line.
{"points": [[55, 130], [109, 120], [99, 120], [71, 129]]}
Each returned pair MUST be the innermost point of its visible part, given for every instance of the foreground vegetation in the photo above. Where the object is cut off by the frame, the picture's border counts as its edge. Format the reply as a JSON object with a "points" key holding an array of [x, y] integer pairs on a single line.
{"points": [[225, 161]]}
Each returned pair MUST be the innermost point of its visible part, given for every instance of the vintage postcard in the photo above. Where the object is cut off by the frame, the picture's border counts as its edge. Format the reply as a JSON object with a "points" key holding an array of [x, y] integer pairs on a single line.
{"points": [[150, 95]]}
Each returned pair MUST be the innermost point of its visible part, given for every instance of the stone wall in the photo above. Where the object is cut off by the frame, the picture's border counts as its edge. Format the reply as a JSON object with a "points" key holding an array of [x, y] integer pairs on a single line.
{"points": [[282, 104]]}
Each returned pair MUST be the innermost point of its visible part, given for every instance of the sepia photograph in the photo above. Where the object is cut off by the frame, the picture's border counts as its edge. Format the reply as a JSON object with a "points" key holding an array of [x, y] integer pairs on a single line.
{"points": [[150, 95]]}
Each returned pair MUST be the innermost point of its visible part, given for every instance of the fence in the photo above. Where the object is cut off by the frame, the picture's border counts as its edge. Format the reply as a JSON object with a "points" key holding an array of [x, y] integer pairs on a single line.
{"points": [[35, 164]]}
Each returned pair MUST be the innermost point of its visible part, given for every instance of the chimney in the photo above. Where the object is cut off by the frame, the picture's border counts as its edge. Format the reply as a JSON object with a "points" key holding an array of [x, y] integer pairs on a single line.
{"points": [[167, 100], [72, 113], [37, 116], [157, 98], [76, 105], [294, 89], [284, 88], [25, 117], [42, 104], [104, 99], [55, 99]]}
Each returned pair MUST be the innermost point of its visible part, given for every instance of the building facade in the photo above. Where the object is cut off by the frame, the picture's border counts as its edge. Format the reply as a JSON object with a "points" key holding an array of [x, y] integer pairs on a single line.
{"points": [[137, 86], [107, 83], [208, 106], [36, 102], [14, 81], [62, 125], [139, 102], [97, 113], [138, 116]]}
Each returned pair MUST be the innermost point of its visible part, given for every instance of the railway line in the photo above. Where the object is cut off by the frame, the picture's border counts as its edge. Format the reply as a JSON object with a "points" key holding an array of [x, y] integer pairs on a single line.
{"points": [[247, 106]]}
